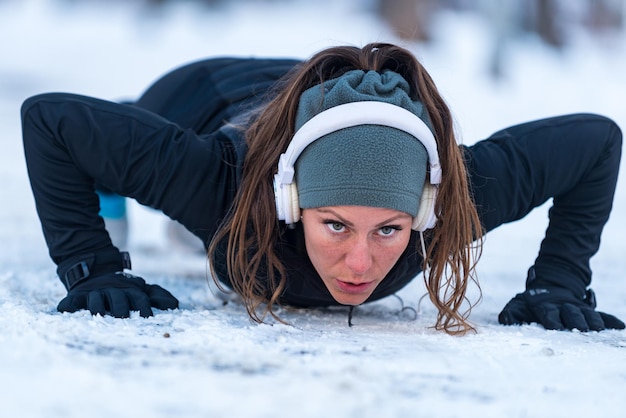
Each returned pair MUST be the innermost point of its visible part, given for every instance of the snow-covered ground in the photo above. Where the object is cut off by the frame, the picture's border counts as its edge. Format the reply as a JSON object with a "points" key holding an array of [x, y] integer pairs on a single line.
{"points": [[209, 360]]}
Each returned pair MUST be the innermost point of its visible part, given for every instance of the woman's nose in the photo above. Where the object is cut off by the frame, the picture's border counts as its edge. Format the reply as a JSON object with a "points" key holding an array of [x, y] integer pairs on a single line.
{"points": [[359, 257]]}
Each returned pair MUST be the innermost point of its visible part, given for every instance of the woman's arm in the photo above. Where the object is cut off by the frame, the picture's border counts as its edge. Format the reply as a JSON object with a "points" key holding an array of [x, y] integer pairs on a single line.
{"points": [[71, 142], [573, 159]]}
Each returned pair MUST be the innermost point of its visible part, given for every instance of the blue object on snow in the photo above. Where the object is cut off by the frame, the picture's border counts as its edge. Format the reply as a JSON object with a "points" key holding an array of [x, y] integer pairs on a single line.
{"points": [[112, 206]]}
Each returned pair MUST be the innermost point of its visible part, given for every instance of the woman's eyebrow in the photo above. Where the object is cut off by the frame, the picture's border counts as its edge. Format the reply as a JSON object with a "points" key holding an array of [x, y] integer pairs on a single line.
{"points": [[348, 223], [332, 212], [393, 218]]}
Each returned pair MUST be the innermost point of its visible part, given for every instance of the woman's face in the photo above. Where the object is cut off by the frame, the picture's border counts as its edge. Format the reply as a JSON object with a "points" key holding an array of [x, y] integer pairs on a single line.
{"points": [[354, 247]]}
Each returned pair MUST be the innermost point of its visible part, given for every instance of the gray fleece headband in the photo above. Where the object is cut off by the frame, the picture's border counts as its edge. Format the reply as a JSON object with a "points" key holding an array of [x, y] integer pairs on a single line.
{"points": [[370, 163]]}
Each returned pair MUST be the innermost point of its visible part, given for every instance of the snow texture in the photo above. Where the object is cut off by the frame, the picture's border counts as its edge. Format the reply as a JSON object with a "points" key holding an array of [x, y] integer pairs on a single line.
{"points": [[207, 359]]}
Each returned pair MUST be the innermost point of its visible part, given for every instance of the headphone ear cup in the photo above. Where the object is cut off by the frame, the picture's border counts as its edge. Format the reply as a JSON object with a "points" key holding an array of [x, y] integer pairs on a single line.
{"points": [[426, 218], [287, 204], [278, 199], [292, 203]]}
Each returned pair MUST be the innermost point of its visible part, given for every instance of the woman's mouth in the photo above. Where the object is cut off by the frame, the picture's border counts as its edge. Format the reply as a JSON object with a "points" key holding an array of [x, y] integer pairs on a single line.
{"points": [[355, 288]]}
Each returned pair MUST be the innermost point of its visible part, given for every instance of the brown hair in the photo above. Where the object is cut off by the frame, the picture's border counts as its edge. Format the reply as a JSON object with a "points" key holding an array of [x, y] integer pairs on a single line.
{"points": [[252, 228]]}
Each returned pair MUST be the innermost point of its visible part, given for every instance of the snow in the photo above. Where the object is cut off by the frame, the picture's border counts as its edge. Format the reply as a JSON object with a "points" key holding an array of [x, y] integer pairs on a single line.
{"points": [[207, 359]]}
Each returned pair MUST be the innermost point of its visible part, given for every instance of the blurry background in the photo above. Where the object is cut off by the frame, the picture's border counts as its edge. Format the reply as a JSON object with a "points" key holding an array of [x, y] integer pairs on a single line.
{"points": [[114, 48]]}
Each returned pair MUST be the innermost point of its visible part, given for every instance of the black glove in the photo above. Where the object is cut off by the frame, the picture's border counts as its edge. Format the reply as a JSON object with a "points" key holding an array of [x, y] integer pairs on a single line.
{"points": [[96, 282], [117, 294], [557, 308]]}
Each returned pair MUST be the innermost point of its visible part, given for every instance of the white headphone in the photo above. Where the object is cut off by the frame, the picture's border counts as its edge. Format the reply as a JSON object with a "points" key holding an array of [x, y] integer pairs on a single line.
{"points": [[345, 116]]}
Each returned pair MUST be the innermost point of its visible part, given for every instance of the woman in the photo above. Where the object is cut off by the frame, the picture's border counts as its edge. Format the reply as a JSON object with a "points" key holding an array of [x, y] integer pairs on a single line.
{"points": [[332, 181]]}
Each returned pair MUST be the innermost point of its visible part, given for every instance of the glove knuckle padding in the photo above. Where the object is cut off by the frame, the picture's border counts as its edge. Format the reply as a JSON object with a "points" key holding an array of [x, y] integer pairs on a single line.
{"points": [[548, 315], [594, 320], [515, 312], [573, 317], [139, 301], [72, 303], [506, 317], [95, 302], [611, 322], [117, 302], [161, 298]]}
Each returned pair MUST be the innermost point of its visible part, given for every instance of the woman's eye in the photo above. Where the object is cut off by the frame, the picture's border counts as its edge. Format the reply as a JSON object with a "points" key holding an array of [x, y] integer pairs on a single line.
{"points": [[336, 226], [388, 230]]}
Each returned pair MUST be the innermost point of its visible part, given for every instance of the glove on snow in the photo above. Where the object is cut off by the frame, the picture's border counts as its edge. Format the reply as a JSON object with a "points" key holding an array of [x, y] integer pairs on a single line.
{"points": [[91, 287], [557, 308], [117, 294]]}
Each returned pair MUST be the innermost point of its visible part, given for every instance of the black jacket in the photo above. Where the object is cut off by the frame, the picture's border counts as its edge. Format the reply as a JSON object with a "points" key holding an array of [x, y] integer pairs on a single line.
{"points": [[173, 150]]}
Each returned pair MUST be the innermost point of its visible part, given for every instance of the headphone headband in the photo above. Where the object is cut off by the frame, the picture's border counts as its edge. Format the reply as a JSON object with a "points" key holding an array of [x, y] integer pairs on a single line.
{"points": [[345, 116], [354, 114]]}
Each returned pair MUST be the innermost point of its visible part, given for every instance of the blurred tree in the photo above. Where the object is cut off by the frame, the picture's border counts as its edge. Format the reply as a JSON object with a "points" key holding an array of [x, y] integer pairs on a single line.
{"points": [[159, 3], [605, 15], [547, 22], [501, 18], [409, 19]]}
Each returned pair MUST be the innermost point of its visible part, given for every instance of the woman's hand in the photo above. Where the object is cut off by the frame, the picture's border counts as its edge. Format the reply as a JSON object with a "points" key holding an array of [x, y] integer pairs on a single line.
{"points": [[117, 294], [557, 308]]}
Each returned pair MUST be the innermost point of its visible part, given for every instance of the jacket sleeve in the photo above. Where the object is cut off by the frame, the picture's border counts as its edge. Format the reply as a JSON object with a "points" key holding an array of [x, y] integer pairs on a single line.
{"points": [[573, 160], [71, 142]]}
